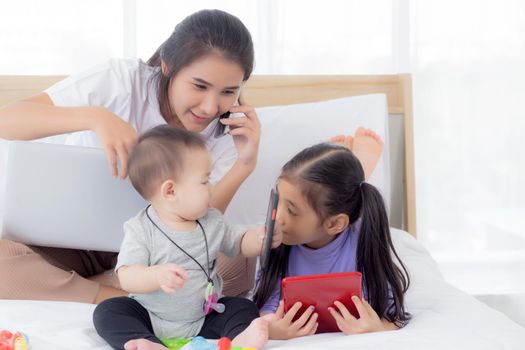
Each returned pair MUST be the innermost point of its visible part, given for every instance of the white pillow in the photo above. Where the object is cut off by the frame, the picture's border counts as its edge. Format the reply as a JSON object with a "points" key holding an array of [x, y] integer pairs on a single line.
{"points": [[286, 130]]}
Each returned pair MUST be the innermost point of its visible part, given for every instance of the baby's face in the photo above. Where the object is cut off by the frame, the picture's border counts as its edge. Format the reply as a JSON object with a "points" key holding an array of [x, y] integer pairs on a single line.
{"points": [[193, 186]]}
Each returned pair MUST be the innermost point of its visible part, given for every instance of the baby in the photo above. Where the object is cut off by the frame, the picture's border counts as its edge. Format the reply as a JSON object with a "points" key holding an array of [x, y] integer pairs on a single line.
{"points": [[167, 261]]}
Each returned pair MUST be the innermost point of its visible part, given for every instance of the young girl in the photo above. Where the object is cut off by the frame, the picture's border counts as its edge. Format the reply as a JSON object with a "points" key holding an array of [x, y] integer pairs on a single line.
{"points": [[194, 77], [331, 220], [167, 260]]}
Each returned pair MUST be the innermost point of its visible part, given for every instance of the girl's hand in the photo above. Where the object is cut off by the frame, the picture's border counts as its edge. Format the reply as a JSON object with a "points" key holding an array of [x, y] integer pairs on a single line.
{"points": [[117, 137], [246, 132], [170, 277], [368, 320], [281, 325]]}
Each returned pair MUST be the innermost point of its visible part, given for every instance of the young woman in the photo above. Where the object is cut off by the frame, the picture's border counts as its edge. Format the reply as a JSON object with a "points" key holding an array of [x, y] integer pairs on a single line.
{"points": [[194, 77]]}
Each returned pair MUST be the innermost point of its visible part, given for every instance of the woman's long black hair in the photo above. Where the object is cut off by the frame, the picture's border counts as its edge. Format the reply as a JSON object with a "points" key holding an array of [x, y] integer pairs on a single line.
{"points": [[198, 35], [332, 180]]}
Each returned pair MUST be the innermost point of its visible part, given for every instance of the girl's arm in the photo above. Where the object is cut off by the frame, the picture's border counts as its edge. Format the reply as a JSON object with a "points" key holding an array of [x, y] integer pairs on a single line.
{"points": [[246, 132], [146, 279], [389, 326], [37, 117]]}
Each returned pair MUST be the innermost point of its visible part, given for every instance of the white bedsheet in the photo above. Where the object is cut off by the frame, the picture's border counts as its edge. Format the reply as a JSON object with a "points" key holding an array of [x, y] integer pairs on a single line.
{"points": [[443, 318]]}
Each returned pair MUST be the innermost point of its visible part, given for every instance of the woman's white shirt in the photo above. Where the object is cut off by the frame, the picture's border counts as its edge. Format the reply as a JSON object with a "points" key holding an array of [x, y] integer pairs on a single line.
{"points": [[125, 87]]}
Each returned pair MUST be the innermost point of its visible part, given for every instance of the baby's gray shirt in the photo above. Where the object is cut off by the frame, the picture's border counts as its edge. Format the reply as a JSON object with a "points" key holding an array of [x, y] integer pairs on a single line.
{"points": [[178, 314]]}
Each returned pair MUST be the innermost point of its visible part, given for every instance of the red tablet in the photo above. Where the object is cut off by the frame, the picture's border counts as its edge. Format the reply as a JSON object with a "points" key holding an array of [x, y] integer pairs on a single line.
{"points": [[321, 291]]}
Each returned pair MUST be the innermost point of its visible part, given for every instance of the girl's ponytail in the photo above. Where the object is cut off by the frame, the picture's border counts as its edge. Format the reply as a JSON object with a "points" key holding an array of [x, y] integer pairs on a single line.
{"points": [[384, 280]]}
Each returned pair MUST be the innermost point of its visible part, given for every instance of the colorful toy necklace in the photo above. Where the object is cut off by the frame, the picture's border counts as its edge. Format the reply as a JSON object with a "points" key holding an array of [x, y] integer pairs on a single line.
{"points": [[210, 298]]}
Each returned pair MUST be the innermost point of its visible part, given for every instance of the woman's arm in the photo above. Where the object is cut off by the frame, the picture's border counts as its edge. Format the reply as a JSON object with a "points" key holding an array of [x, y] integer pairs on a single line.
{"points": [[226, 188], [246, 133], [37, 117]]}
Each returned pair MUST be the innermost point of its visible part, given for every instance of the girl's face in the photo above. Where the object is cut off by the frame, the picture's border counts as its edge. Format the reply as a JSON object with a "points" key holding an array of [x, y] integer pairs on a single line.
{"points": [[205, 89], [297, 220]]}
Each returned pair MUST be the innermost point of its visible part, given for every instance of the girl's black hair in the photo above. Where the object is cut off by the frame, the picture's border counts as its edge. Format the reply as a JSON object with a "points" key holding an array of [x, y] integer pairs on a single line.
{"points": [[198, 35], [332, 180]]}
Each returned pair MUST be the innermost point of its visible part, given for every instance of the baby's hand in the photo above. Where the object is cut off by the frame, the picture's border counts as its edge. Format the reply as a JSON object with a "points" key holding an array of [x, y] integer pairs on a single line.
{"points": [[277, 237], [170, 277]]}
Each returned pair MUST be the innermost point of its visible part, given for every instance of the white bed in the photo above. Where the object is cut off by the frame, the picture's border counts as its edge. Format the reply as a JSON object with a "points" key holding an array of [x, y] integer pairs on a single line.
{"points": [[443, 316]]}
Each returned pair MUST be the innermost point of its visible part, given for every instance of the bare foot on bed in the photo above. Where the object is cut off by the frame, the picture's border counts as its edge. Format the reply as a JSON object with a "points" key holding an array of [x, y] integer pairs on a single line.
{"points": [[368, 148], [342, 140], [255, 336], [366, 145], [143, 344]]}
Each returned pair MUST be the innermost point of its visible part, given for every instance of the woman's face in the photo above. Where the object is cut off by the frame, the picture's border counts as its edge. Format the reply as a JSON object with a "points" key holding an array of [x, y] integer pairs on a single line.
{"points": [[205, 89]]}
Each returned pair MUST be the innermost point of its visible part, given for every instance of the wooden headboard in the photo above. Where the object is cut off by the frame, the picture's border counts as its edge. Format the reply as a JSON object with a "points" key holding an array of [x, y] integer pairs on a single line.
{"points": [[267, 90]]}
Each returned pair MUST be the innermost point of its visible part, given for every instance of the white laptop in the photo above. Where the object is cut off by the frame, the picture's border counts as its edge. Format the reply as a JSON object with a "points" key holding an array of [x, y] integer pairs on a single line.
{"points": [[65, 196]]}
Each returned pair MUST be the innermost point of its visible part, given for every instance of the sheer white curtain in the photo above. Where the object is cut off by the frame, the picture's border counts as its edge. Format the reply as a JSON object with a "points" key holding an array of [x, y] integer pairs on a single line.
{"points": [[467, 59], [58, 36], [469, 88], [292, 36]]}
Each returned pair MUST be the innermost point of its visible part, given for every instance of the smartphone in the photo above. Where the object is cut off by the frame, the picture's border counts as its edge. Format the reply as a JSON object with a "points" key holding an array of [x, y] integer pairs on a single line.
{"points": [[220, 129], [270, 225]]}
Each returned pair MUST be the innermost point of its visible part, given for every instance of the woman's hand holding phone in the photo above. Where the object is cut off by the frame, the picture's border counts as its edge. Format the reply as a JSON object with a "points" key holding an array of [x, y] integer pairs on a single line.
{"points": [[246, 132]]}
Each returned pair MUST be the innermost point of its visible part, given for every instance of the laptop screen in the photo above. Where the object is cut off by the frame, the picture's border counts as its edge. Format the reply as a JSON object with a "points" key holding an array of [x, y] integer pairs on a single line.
{"points": [[64, 196]]}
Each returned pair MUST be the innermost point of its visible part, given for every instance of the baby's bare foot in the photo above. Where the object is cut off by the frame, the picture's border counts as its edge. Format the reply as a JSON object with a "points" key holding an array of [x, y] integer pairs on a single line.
{"points": [[143, 344], [255, 336]]}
